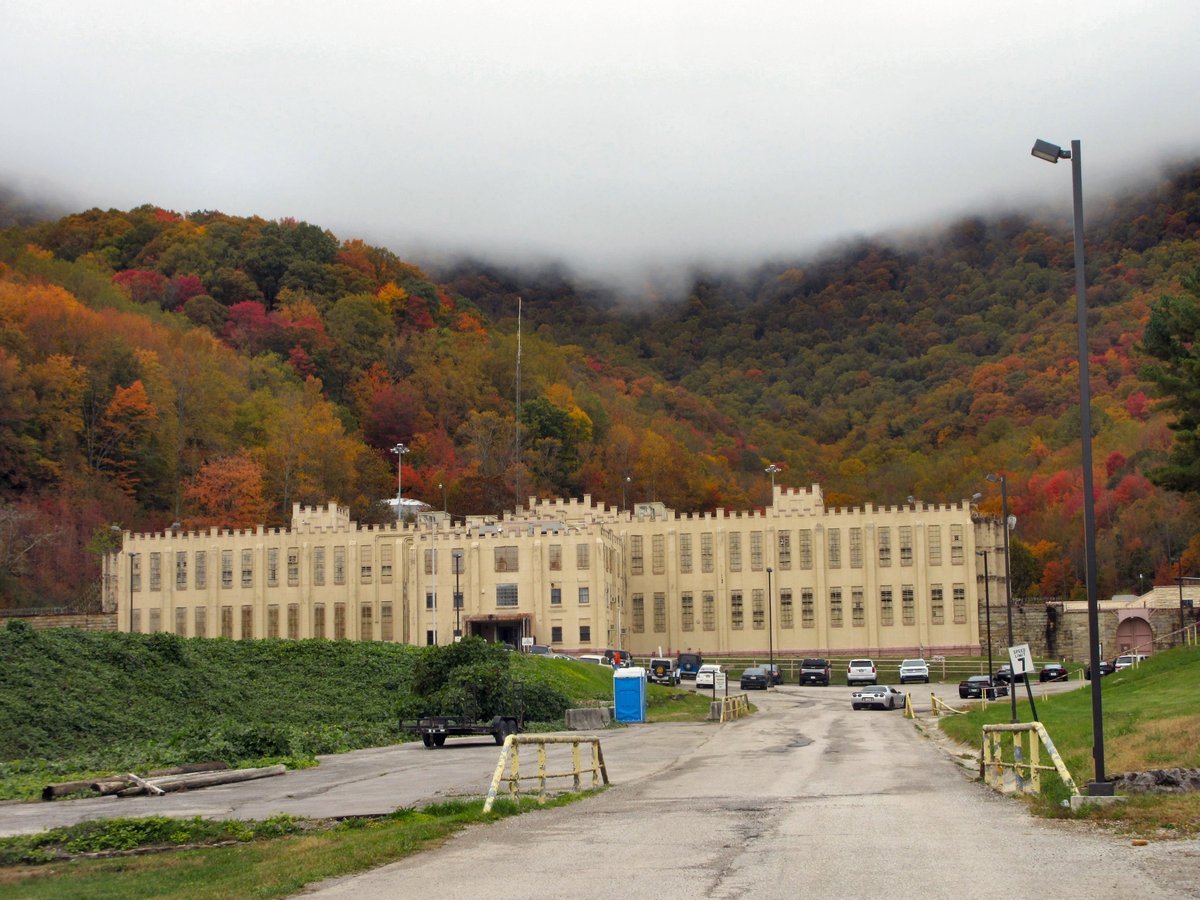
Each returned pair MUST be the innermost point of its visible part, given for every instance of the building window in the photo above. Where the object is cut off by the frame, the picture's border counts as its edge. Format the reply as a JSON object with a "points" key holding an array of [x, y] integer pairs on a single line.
{"points": [[706, 552], [135, 572], [833, 539], [293, 564], [660, 612], [554, 555], [155, 571], [585, 596], [366, 631], [582, 557], [658, 554], [736, 613], [506, 559], [756, 547], [429, 598], [339, 621], [272, 566], [808, 617], [956, 545], [385, 564], [585, 634], [555, 596], [506, 595], [686, 612], [804, 547], [181, 570], [556, 634], [960, 604], [638, 605], [387, 628], [785, 551], [226, 568], [857, 611], [201, 570], [933, 538], [201, 622], [884, 536], [247, 623], [429, 640], [456, 563], [758, 609], [247, 568], [685, 554], [786, 614], [227, 622], [293, 621], [272, 620], [835, 607], [155, 621], [339, 565], [906, 545], [708, 611], [735, 552], [364, 564], [635, 554], [908, 608], [319, 620], [319, 566], [181, 621], [856, 548], [886, 616], [937, 606]]}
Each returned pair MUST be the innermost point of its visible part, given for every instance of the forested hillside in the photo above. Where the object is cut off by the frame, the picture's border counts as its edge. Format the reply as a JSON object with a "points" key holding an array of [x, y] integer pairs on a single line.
{"points": [[204, 368]]}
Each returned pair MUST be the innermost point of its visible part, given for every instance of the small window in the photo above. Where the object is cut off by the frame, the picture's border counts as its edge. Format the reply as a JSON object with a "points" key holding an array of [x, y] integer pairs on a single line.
{"points": [[585, 634], [584, 596], [506, 595]]}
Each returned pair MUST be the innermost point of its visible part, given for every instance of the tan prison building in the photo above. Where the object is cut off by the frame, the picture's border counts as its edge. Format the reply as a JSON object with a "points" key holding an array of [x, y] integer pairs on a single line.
{"points": [[581, 576]]}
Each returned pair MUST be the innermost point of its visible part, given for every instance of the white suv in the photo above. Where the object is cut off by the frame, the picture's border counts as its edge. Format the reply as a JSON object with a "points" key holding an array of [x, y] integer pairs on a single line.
{"points": [[914, 670], [861, 671]]}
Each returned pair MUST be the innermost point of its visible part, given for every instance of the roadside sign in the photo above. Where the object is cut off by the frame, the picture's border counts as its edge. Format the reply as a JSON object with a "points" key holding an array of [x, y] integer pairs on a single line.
{"points": [[526, 642], [1021, 659], [719, 681]]}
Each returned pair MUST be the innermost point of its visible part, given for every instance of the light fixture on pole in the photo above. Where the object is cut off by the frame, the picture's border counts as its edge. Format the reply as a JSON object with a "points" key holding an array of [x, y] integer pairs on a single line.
{"points": [[400, 450], [1009, 522], [772, 470], [624, 486], [442, 488], [770, 631], [458, 597], [987, 605], [1052, 153]]}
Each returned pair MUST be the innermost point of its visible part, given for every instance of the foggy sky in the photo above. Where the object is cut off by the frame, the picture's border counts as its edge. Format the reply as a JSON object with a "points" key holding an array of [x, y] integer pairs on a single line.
{"points": [[618, 136]]}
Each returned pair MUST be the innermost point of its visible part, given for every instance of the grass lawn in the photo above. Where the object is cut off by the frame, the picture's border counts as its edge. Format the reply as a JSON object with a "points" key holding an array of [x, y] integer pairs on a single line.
{"points": [[1151, 721]]}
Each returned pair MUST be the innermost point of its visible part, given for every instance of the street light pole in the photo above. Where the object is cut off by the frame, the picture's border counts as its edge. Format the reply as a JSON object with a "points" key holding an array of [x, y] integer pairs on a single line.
{"points": [[624, 485], [458, 597], [987, 605], [400, 450], [1052, 153], [1003, 479], [772, 470], [770, 629]]}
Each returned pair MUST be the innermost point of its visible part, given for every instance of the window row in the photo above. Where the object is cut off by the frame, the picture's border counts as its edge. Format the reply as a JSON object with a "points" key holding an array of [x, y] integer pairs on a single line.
{"points": [[281, 621]]}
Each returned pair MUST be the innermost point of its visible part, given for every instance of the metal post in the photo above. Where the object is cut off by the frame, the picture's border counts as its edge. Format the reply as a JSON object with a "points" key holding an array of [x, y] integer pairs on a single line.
{"points": [[1181, 625], [1012, 686], [131, 556], [987, 601], [458, 597], [770, 630]]}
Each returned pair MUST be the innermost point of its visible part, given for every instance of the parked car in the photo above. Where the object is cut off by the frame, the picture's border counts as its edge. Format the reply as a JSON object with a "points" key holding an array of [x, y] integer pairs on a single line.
{"points": [[755, 677], [814, 670], [663, 671], [1106, 668], [706, 675], [914, 670], [861, 671], [773, 671], [688, 664], [880, 696], [1126, 660], [978, 686], [1004, 675], [594, 658], [618, 658], [1053, 672]]}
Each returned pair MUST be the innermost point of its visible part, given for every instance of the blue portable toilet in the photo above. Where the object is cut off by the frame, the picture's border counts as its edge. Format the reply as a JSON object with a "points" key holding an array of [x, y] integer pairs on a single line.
{"points": [[629, 694]]}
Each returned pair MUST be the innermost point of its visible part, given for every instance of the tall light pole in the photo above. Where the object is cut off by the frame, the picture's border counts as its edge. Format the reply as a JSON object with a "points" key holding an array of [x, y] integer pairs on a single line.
{"points": [[987, 605], [624, 486], [458, 597], [1052, 153], [772, 470], [400, 450], [770, 629], [442, 488], [1003, 479]]}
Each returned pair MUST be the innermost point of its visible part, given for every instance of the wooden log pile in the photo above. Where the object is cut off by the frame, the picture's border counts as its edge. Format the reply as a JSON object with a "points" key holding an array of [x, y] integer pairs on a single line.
{"points": [[162, 781]]}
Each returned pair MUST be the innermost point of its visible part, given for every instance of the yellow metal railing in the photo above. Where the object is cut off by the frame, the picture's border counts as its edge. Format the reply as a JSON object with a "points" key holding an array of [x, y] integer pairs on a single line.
{"points": [[734, 707], [511, 754], [994, 763], [941, 706]]}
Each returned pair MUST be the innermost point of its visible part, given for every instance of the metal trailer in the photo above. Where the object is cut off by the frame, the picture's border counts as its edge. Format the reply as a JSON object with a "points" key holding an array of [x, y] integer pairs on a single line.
{"points": [[435, 729]]}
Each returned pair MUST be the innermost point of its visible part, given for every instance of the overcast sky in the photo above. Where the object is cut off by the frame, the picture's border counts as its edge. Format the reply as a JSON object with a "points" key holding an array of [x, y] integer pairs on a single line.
{"points": [[615, 136]]}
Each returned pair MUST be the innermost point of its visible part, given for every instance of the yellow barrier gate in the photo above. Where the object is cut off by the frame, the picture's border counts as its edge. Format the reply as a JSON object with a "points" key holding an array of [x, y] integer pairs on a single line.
{"points": [[941, 706], [511, 753], [734, 707], [994, 764]]}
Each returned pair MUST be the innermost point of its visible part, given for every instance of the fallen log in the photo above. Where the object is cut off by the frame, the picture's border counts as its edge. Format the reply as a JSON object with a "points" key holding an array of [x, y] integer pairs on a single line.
{"points": [[50, 791], [212, 766], [171, 783], [111, 784]]}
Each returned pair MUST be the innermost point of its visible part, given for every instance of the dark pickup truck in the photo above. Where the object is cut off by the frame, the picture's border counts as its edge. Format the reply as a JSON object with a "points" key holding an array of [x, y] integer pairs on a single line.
{"points": [[814, 671]]}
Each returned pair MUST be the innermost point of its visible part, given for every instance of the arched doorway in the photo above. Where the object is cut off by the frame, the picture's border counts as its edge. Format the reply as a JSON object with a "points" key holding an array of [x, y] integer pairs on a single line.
{"points": [[1134, 634]]}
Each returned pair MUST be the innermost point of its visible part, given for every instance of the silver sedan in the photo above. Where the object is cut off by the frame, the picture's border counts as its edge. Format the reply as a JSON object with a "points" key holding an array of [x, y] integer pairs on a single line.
{"points": [[879, 696]]}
